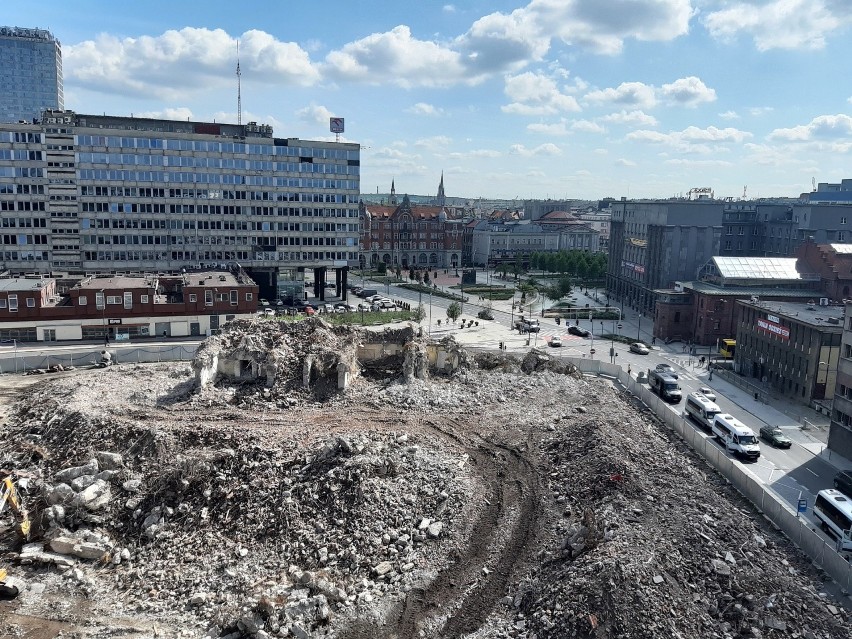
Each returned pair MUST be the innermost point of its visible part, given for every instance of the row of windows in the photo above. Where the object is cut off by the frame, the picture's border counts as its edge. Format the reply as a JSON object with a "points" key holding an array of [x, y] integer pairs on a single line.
{"points": [[180, 240], [21, 137], [228, 163], [23, 222], [214, 209], [24, 189], [212, 146], [6, 205], [214, 194], [21, 172], [21, 154], [115, 175], [215, 256], [226, 225], [21, 240]]}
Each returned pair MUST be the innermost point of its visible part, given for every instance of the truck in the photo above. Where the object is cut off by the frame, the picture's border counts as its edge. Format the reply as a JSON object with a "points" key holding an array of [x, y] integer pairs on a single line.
{"points": [[527, 325], [664, 385]]}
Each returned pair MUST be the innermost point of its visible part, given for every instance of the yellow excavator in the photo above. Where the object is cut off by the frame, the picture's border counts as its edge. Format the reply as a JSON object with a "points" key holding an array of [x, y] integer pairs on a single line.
{"points": [[9, 498]]}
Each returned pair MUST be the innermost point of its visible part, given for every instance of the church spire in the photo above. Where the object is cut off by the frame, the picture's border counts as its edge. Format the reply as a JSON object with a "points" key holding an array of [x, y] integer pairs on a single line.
{"points": [[393, 192], [442, 198]]}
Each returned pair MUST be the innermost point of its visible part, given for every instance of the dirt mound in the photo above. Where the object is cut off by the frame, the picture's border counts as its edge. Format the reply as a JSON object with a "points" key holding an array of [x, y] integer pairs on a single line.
{"points": [[513, 499]]}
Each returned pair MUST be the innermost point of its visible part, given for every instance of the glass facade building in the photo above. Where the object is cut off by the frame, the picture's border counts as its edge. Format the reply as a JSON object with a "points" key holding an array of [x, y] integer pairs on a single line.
{"points": [[30, 73], [83, 193]]}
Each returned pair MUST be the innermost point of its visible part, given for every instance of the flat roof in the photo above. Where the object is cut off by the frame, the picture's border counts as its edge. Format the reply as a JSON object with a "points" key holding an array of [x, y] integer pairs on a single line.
{"points": [[841, 248], [193, 279], [707, 288], [15, 284], [811, 314]]}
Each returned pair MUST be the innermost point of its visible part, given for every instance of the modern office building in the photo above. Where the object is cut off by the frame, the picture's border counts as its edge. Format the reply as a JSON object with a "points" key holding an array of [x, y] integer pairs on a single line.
{"points": [[792, 348], [655, 243], [30, 73], [840, 431], [103, 194]]}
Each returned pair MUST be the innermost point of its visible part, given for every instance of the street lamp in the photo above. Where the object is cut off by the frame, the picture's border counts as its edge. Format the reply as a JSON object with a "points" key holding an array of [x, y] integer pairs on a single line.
{"points": [[639, 328]]}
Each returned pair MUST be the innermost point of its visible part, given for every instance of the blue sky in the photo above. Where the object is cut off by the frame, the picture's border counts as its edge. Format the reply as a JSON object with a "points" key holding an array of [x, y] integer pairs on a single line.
{"points": [[548, 98]]}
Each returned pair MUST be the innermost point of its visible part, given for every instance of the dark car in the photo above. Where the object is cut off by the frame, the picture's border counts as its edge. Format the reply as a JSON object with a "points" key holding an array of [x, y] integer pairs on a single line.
{"points": [[775, 436], [843, 482], [578, 331], [666, 368]]}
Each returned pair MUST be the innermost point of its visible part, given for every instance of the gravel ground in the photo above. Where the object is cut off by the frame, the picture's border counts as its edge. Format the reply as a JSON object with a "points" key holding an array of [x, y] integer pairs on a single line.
{"points": [[514, 498]]}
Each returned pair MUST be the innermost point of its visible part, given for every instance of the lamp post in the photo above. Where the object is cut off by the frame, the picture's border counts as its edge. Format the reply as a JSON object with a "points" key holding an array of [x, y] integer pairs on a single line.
{"points": [[639, 329]]}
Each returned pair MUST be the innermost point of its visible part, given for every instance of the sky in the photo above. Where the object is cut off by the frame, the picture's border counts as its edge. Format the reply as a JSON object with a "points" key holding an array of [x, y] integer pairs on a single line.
{"points": [[507, 99]]}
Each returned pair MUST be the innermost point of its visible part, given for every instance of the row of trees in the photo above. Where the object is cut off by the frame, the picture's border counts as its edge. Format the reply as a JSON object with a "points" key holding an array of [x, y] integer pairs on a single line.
{"points": [[580, 264]]}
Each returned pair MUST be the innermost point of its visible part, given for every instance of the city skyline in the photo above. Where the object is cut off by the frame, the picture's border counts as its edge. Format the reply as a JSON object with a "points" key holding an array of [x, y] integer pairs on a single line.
{"points": [[546, 99]]}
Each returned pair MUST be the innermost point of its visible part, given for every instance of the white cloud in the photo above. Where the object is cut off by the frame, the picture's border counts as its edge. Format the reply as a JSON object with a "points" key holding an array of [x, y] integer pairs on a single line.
{"points": [[536, 94], [781, 24], [177, 63], [693, 139], [557, 128], [625, 162], [603, 25], [690, 91], [729, 115], [422, 108], [314, 114], [436, 142], [587, 126], [630, 118], [176, 113], [449, 8], [475, 154], [824, 127], [398, 58], [546, 149], [698, 163], [635, 94]]}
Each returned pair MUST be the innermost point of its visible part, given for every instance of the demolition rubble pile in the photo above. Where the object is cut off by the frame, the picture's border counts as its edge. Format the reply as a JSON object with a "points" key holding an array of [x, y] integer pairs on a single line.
{"points": [[513, 499]]}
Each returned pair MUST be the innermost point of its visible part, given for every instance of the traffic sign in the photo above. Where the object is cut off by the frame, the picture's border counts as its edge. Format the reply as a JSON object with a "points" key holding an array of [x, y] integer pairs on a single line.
{"points": [[592, 351], [620, 326], [802, 506]]}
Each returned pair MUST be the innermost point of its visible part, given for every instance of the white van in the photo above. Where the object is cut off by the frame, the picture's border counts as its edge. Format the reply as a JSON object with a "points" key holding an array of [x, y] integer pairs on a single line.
{"points": [[701, 409], [736, 436], [833, 509]]}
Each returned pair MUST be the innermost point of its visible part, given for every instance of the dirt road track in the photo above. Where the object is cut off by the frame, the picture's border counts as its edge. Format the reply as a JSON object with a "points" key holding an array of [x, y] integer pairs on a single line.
{"points": [[462, 596]]}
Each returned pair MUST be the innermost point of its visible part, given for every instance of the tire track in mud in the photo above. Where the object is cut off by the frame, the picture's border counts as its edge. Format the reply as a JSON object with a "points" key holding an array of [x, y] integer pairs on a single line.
{"points": [[463, 587]]}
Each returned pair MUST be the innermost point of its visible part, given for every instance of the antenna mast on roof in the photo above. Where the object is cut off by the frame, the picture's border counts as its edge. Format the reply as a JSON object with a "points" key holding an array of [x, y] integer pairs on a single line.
{"points": [[239, 88]]}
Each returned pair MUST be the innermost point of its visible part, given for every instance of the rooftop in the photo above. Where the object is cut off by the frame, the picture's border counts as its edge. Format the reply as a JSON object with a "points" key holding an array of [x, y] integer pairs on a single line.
{"points": [[15, 284], [758, 268], [810, 314]]}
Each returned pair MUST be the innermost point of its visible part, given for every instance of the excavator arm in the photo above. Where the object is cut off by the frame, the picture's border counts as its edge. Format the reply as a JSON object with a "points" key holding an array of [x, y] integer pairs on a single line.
{"points": [[9, 498]]}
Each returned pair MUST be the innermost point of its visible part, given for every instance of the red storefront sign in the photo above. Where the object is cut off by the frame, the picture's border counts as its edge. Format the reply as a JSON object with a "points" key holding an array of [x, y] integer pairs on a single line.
{"points": [[775, 329]]}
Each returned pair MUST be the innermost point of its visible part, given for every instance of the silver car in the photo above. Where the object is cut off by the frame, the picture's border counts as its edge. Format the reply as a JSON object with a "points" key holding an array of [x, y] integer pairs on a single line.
{"points": [[639, 348]]}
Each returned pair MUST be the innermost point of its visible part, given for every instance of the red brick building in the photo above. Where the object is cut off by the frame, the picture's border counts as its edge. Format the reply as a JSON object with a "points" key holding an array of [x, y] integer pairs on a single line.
{"points": [[123, 306]]}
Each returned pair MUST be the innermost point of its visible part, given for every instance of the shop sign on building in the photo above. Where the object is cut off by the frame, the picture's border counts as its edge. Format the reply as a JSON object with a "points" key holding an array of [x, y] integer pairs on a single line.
{"points": [[775, 329]]}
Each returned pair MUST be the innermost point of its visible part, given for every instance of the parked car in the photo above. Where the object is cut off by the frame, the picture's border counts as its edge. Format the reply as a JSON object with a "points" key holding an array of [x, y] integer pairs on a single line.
{"points": [[639, 348], [363, 306], [269, 312], [775, 436], [356, 290], [843, 482], [578, 331], [666, 368], [555, 341], [708, 393]]}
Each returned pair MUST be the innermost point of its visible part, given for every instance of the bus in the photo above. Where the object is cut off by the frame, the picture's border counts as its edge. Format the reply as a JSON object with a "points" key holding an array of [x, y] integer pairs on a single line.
{"points": [[727, 347], [834, 511], [701, 409]]}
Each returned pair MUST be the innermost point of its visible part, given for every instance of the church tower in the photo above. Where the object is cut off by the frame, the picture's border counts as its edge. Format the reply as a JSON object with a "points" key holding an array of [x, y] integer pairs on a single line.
{"points": [[442, 198], [393, 201]]}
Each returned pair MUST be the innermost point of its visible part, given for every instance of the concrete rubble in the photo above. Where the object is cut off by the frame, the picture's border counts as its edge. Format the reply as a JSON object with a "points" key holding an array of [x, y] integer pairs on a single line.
{"points": [[440, 493]]}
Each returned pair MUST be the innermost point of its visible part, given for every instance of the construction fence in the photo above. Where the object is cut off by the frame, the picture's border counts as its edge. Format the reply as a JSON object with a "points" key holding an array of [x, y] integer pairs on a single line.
{"points": [[13, 362]]}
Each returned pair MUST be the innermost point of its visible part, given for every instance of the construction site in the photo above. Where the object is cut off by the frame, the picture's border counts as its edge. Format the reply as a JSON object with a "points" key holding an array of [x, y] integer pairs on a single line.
{"points": [[307, 480]]}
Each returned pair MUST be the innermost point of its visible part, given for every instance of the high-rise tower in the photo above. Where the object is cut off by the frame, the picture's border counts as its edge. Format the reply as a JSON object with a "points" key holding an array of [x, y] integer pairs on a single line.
{"points": [[30, 73]]}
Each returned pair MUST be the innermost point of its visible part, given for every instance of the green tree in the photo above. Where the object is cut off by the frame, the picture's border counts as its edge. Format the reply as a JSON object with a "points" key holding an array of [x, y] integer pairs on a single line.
{"points": [[382, 268], [398, 271], [454, 311], [426, 278], [419, 313], [552, 292]]}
